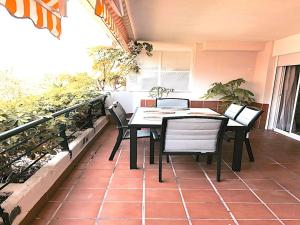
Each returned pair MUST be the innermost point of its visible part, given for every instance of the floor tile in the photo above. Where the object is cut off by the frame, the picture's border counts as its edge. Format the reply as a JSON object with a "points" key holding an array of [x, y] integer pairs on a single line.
{"points": [[126, 183], [230, 184], [276, 197], [72, 222], [48, 210], [286, 211], [207, 211], [76, 210], [167, 183], [59, 195], [121, 222], [194, 184], [250, 211], [87, 194], [200, 196], [161, 195], [122, 210], [238, 196], [213, 222], [165, 210], [259, 222], [134, 195], [166, 222], [262, 184]]}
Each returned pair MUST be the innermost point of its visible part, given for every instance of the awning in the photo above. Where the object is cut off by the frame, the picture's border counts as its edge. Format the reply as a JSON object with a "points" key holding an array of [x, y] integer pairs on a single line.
{"points": [[43, 13], [113, 21]]}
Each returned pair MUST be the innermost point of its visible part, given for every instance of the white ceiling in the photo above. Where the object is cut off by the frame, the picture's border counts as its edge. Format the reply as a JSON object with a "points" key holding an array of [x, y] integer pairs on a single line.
{"points": [[205, 20]]}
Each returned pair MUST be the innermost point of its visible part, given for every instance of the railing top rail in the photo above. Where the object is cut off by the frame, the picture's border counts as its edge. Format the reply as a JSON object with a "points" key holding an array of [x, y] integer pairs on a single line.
{"points": [[24, 127]]}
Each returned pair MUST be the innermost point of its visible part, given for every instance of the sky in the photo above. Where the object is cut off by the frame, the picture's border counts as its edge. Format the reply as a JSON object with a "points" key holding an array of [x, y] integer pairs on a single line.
{"points": [[30, 52]]}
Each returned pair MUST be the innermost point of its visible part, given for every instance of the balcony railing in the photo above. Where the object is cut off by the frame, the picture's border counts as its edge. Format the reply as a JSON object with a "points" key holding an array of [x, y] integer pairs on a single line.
{"points": [[40, 138]]}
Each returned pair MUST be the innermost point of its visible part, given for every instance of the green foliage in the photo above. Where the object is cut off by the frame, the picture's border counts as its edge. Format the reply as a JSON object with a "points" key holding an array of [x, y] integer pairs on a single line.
{"points": [[230, 92], [113, 65], [160, 92], [64, 91]]}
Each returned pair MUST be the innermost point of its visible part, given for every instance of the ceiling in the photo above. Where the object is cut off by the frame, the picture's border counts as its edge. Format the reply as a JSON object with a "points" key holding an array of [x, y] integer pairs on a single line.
{"points": [[206, 20]]}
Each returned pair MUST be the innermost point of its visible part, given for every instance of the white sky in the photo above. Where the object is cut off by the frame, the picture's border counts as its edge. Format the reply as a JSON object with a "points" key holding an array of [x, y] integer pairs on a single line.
{"points": [[30, 52]]}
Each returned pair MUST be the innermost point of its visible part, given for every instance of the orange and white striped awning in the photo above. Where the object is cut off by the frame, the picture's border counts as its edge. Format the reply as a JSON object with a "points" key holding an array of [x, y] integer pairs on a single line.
{"points": [[43, 13], [113, 21]]}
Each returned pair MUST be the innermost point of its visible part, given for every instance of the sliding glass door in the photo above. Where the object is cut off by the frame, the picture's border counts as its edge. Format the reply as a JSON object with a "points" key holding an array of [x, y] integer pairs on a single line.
{"points": [[287, 109]]}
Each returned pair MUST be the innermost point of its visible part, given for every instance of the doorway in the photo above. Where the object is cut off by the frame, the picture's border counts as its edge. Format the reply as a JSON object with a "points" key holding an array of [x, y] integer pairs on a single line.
{"points": [[285, 107]]}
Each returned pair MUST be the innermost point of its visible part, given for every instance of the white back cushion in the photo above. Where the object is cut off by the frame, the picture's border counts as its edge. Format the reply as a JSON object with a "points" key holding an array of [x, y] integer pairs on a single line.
{"points": [[246, 116], [174, 103], [192, 135], [232, 111]]}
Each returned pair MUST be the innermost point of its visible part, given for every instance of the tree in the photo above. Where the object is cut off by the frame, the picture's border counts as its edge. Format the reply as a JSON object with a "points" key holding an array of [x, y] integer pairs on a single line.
{"points": [[112, 65]]}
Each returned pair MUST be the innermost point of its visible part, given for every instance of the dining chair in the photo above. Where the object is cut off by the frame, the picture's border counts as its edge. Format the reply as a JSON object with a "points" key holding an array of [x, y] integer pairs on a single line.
{"points": [[190, 135], [248, 117], [172, 103], [233, 111], [120, 118]]}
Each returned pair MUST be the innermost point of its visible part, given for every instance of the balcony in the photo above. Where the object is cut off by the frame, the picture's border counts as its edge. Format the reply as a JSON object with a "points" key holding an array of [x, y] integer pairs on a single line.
{"points": [[193, 45], [101, 192]]}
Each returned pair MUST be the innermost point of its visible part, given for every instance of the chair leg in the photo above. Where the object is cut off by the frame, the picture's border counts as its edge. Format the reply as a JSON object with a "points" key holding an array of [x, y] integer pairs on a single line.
{"points": [[249, 150], [160, 167], [151, 149], [117, 145], [209, 159], [168, 158], [219, 161]]}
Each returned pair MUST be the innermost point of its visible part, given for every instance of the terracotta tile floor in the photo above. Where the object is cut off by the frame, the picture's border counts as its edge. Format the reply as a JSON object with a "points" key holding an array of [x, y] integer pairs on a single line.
{"points": [[100, 192]]}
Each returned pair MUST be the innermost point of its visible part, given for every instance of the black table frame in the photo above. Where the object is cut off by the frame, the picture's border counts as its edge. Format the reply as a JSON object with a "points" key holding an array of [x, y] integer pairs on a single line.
{"points": [[240, 135]]}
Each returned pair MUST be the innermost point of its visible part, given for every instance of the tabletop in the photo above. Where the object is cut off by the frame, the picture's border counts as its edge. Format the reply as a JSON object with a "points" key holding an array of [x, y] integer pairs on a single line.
{"points": [[149, 116]]}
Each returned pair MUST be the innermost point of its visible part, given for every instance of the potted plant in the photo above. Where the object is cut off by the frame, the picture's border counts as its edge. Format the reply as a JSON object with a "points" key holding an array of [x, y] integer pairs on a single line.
{"points": [[230, 92]]}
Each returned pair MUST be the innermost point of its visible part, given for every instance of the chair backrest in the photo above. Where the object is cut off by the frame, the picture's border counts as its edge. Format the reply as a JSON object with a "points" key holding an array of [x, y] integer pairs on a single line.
{"points": [[249, 116], [233, 111], [186, 134], [172, 103], [118, 114]]}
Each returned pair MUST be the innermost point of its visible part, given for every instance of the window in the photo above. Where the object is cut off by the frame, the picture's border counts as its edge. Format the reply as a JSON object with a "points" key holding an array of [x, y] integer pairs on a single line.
{"points": [[170, 69]]}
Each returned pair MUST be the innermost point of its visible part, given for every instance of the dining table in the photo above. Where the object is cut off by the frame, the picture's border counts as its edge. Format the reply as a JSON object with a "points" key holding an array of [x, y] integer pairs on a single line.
{"points": [[150, 117]]}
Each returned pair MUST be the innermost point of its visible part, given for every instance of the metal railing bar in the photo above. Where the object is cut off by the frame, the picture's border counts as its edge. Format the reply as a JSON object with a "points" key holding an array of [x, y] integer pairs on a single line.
{"points": [[24, 127], [24, 154], [22, 142]]}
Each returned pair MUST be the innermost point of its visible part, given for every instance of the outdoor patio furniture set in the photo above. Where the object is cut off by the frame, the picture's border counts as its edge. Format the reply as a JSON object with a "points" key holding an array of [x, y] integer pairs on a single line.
{"points": [[181, 130]]}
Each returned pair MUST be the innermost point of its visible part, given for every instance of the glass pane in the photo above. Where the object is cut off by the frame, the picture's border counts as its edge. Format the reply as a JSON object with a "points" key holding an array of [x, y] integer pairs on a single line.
{"points": [[178, 80], [296, 122], [287, 100]]}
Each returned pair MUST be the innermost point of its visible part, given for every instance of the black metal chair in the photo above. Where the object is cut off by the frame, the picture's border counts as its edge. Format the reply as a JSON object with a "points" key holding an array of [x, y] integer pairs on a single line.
{"points": [[233, 111], [248, 117], [192, 135], [119, 116], [172, 103]]}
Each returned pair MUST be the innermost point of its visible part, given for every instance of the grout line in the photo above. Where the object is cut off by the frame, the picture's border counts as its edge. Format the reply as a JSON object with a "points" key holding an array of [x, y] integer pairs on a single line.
{"points": [[286, 190], [144, 188], [219, 195], [180, 192], [107, 187], [69, 192], [250, 189]]}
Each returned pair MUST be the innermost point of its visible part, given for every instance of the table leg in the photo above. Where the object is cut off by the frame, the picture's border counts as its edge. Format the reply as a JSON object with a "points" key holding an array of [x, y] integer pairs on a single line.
{"points": [[238, 149], [133, 148]]}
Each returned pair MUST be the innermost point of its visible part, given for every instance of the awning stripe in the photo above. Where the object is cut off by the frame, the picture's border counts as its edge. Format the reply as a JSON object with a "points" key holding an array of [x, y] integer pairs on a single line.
{"points": [[38, 12], [113, 21]]}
